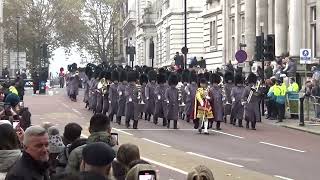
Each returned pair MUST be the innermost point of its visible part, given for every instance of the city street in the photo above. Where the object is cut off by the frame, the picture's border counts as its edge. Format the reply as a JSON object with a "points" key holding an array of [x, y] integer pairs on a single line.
{"points": [[270, 152]]}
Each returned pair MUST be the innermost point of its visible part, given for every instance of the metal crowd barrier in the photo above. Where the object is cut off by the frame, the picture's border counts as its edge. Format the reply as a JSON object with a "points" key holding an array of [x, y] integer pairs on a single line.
{"points": [[309, 109]]}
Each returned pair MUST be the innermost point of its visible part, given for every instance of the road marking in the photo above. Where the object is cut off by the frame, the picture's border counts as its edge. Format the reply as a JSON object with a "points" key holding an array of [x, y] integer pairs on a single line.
{"points": [[158, 129], [63, 104], [164, 165], [76, 111], [218, 160], [122, 131], [228, 134], [283, 147], [156, 142], [282, 177]]}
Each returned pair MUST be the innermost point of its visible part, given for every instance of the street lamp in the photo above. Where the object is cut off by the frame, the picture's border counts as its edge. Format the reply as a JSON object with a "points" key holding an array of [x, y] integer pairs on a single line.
{"points": [[18, 23], [262, 60], [185, 34]]}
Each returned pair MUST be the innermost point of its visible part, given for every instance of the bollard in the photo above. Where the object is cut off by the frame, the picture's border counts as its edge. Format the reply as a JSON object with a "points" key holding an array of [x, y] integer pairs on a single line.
{"points": [[301, 114]]}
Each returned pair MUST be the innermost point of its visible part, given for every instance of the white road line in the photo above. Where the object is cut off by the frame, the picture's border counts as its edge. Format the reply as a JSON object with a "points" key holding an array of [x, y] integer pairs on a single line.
{"points": [[283, 147], [123, 131], [214, 159], [282, 177], [76, 111], [156, 142], [158, 129], [63, 104], [164, 165], [228, 134]]}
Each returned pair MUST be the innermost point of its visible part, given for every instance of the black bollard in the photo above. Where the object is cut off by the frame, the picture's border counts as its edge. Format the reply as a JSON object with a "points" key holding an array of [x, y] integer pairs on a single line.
{"points": [[301, 114]]}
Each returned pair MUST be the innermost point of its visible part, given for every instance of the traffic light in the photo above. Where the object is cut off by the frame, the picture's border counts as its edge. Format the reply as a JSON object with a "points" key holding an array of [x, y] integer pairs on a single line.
{"points": [[259, 48], [269, 48]]}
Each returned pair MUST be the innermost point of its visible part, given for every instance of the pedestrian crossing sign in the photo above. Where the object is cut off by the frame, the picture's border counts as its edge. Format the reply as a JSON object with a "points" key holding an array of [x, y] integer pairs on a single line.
{"points": [[305, 56]]}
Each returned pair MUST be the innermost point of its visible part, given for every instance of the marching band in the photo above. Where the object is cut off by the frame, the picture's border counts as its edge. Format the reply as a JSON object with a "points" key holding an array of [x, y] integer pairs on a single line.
{"points": [[200, 97]]}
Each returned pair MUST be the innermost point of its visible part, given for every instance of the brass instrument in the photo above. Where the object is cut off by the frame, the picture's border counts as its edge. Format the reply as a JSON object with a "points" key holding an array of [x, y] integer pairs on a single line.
{"points": [[103, 86], [255, 89], [179, 87], [140, 99]]}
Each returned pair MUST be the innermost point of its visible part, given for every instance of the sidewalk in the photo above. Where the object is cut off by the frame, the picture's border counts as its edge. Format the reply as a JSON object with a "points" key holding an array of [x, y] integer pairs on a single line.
{"points": [[309, 126]]}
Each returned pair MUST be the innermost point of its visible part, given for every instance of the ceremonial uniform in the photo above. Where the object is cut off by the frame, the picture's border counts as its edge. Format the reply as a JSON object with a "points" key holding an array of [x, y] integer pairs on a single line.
{"points": [[100, 90], [74, 87], [93, 94], [160, 101], [113, 95], [121, 98], [150, 94], [237, 109], [131, 93], [227, 99], [215, 94], [171, 95], [86, 90], [141, 96], [105, 93], [190, 91]]}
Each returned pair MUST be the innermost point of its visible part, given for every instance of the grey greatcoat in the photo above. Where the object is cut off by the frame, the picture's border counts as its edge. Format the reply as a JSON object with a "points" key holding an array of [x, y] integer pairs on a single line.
{"points": [[105, 101], [74, 85], [237, 109], [131, 93], [113, 99], [121, 99], [86, 83], [216, 102], [160, 101], [191, 91], [100, 98], [93, 94], [227, 99], [172, 98], [251, 109], [141, 106], [150, 97]]}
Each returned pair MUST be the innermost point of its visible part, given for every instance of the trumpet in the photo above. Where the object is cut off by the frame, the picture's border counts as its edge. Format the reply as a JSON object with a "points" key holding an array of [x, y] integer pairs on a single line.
{"points": [[253, 90], [103, 86], [139, 87], [180, 99]]}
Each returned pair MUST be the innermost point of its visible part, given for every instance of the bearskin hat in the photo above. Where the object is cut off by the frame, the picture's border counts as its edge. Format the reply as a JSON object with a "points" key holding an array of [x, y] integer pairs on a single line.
{"points": [[143, 78], [207, 76], [238, 79], [73, 67], [185, 76], [215, 78], [200, 76], [228, 77], [102, 74], [161, 78], [152, 75], [123, 76], [97, 72], [161, 71], [203, 81], [193, 76], [107, 75], [115, 75], [131, 76], [173, 80], [252, 78]]}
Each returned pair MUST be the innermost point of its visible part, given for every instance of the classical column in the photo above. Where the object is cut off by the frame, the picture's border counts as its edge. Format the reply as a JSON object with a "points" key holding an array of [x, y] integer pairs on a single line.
{"points": [[281, 27], [262, 17], [318, 29], [250, 27], [295, 27], [147, 49], [271, 16]]}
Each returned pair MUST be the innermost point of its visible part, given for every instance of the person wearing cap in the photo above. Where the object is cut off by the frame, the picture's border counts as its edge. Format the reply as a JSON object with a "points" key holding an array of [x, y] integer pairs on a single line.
{"points": [[280, 99], [56, 147], [134, 172], [96, 161]]}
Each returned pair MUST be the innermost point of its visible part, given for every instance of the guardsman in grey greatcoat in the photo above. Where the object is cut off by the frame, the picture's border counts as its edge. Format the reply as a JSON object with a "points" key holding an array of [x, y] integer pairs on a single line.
{"points": [[113, 94], [99, 105], [171, 96], [86, 82], [143, 80], [191, 91], [237, 108], [228, 79], [105, 93], [184, 81], [160, 103], [74, 86], [150, 94], [121, 98], [251, 101], [215, 94], [94, 91], [131, 93]]}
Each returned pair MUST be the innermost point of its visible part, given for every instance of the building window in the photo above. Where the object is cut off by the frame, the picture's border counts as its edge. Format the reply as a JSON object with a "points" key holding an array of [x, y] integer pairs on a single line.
{"points": [[233, 49], [313, 28], [167, 4], [242, 24], [313, 13], [213, 33], [232, 2], [160, 48], [168, 44], [233, 29]]}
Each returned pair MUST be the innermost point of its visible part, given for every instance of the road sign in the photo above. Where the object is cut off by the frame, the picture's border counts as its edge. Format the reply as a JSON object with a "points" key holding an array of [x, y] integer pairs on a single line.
{"points": [[14, 62], [305, 56], [241, 56]]}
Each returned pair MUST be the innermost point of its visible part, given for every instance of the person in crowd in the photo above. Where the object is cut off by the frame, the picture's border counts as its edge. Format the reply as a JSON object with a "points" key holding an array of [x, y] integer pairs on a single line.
{"points": [[34, 161], [268, 71], [160, 104], [200, 172], [290, 68], [178, 61], [131, 93], [96, 162], [143, 81], [171, 96], [113, 95], [9, 147], [237, 109], [271, 99], [279, 92], [100, 91], [122, 98], [72, 131], [190, 91], [105, 93], [139, 169], [293, 87], [19, 85], [61, 77], [150, 93], [100, 131], [56, 147], [315, 92]]}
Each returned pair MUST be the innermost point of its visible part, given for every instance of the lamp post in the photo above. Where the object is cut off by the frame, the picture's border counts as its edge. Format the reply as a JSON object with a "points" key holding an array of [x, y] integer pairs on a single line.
{"points": [[262, 60], [18, 24], [185, 34]]}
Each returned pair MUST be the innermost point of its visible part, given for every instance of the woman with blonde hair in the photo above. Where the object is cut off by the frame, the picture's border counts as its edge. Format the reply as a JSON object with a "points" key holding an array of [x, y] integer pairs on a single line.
{"points": [[200, 172]]}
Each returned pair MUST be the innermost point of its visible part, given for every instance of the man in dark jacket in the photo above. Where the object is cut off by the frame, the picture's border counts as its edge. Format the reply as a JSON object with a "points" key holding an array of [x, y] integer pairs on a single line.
{"points": [[33, 164]]}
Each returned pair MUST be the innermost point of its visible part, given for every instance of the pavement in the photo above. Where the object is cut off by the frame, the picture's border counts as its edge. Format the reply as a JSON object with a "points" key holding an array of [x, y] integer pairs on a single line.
{"points": [[270, 152]]}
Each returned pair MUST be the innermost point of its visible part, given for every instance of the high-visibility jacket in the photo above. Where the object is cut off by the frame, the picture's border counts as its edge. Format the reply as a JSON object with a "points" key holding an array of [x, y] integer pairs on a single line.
{"points": [[294, 87], [13, 90], [280, 93]]}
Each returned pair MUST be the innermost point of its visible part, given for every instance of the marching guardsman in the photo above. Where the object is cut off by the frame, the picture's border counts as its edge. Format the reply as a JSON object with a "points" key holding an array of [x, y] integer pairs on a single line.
{"points": [[160, 103], [203, 108], [86, 82], [141, 96], [237, 109], [113, 94], [121, 98], [105, 93], [184, 81], [228, 79], [93, 90], [100, 88], [172, 98], [74, 86], [150, 94], [190, 91], [216, 97], [131, 93], [251, 101]]}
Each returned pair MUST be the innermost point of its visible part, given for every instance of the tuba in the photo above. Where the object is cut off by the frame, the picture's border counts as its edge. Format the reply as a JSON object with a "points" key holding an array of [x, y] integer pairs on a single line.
{"points": [[103, 86], [253, 90]]}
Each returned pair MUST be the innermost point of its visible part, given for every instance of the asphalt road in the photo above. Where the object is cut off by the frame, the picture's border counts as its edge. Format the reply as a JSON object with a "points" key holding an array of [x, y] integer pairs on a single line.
{"points": [[270, 152]]}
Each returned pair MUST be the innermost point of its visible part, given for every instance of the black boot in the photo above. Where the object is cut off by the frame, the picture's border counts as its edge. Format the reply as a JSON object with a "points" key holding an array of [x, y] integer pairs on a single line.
{"points": [[168, 124], [196, 123], [155, 120], [145, 116], [135, 124], [149, 117], [119, 120], [128, 123], [164, 122], [175, 124], [247, 124], [218, 126], [111, 117], [253, 125], [240, 123], [141, 115], [210, 125], [188, 119]]}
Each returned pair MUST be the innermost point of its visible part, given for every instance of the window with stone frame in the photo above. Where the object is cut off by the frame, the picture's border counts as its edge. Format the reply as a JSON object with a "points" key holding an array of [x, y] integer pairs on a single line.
{"points": [[167, 4], [242, 27], [313, 30], [213, 33], [168, 44], [233, 37]]}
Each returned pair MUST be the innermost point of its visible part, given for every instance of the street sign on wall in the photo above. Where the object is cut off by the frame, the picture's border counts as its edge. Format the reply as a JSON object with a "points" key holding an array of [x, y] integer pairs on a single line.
{"points": [[305, 56], [22, 60]]}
